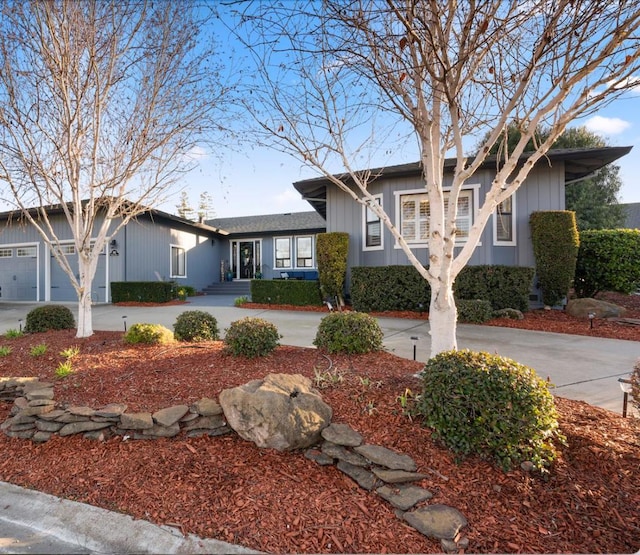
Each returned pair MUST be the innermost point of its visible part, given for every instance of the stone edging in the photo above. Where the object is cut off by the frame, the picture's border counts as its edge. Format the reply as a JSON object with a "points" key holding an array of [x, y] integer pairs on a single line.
{"points": [[36, 416]]}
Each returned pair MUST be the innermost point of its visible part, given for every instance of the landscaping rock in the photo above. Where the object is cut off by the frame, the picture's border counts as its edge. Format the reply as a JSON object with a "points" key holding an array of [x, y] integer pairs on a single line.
{"points": [[397, 476], [436, 521], [386, 457], [205, 423], [318, 457], [41, 436], [112, 410], [79, 427], [364, 478], [44, 393], [342, 434], [206, 407], [580, 308], [171, 415], [341, 453], [136, 421], [81, 411], [162, 430], [282, 412], [404, 497]]}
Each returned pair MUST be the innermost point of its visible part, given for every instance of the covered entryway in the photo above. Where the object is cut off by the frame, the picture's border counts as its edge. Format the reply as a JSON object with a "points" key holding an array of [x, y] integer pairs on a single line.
{"points": [[19, 268], [246, 258]]}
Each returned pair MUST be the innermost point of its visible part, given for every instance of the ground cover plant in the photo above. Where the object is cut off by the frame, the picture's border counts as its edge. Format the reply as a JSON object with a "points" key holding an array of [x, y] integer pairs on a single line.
{"points": [[227, 488]]}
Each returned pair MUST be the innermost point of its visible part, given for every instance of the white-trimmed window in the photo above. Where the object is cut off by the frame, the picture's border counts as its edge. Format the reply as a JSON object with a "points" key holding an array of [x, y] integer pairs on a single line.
{"points": [[504, 229], [6, 253], [282, 247], [178, 262], [304, 252], [372, 228], [415, 213], [26, 252], [67, 249]]}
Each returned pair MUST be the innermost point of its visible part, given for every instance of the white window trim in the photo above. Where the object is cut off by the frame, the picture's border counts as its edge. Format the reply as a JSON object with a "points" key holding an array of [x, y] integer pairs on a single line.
{"points": [[6, 249], [513, 242], [291, 253], [172, 274], [365, 209], [313, 250], [475, 192]]}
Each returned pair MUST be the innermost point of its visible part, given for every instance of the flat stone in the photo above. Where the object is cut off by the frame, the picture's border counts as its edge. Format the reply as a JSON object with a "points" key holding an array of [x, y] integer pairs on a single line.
{"points": [[112, 419], [6, 424], [41, 403], [41, 436], [163, 431], [404, 497], [56, 413], [210, 433], [81, 411], [112, 410], [32, 411], [206, 407], [397, 476], [21, 402], [386, 457], [343, 454], [342, 434], [35, 384], [21, 427], [67, 418], [170, 415], [25, 434], [318, 457], [21, 418], [189, 417], [436, 521], [99, 435], [44, 393], [361, 476], [136, 421], [205, 423], [79, 427], [46, 426]]}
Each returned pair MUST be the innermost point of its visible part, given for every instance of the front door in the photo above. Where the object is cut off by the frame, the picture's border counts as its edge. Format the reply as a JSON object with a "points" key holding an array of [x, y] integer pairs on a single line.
{"points": [[246, 259]]}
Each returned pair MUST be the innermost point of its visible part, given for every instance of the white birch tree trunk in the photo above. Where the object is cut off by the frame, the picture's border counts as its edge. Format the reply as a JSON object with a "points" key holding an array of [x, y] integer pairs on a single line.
{"points": [[443, 317]]}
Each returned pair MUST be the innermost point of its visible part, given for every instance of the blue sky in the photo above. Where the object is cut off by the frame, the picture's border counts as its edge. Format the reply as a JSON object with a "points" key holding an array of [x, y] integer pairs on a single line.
{"points": [[259, 180]]}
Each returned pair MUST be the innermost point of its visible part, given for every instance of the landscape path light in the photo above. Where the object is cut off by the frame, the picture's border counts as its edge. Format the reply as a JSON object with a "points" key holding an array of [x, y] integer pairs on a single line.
{"points": [[625, 385]]}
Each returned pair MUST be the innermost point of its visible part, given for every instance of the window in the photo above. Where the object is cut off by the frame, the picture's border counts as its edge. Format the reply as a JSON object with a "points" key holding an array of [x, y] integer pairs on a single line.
{"points": [[372, 227], [6, 253], [503, 223], [415, 213], [67, 249], [304, 252], [26, 252], [178, 262], [283, 252]]}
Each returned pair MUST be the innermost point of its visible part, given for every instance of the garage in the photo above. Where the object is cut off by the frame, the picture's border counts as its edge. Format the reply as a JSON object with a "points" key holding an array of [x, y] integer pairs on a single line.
{"points": [[61, 288], [19, 272]]}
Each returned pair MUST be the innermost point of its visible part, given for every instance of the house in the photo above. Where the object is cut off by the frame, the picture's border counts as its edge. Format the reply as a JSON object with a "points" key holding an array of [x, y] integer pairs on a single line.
{"points": [[400, 190], [154, 246]]}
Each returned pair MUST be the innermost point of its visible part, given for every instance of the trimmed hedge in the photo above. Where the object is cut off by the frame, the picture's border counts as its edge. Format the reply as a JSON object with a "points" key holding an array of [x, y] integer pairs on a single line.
{"points": [[142, 291], [474, 311], [555, 239], [49, 317], [502, 286], [349, 332], [286, 291], [608, 260], [332, 250]]}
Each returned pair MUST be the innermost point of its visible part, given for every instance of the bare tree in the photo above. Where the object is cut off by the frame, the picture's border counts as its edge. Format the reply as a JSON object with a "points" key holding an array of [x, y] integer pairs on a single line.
{"points": [[101, 102], [333, 81]]}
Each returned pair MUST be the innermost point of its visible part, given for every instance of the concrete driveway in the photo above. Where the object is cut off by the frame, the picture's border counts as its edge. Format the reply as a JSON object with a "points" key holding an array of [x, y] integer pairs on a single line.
{"points": [[581, 367]]}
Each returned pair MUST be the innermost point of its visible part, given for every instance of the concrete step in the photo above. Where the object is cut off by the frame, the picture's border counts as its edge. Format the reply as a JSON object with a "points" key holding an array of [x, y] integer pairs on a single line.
{"points": [[228, 288]]}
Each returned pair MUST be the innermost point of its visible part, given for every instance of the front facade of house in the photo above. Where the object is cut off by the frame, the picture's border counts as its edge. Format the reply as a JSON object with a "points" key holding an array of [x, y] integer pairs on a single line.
{"points": [[160, 246], [401, 192]]}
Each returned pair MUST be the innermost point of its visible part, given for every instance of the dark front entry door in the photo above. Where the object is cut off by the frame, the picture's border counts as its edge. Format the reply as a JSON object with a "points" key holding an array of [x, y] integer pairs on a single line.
{"points": [[247, 267]]}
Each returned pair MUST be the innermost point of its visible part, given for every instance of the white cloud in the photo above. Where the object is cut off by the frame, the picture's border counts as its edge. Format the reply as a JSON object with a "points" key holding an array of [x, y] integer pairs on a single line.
{"points": [[608, 126], [631, 83], [197, 153]]}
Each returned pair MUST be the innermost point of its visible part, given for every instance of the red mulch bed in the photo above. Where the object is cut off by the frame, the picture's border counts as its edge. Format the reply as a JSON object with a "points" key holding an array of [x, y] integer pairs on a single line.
{"points": [[228, 489]]}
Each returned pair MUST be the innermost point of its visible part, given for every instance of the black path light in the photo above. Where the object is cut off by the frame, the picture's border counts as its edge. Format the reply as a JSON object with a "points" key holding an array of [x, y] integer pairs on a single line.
{"points": [[414, 339], [124, 319], [592, 315]]}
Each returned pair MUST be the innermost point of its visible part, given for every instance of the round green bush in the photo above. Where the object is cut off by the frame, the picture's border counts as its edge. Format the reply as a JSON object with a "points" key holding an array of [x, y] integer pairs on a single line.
{"points": [[494, 407], [349, 332], [251, 337], [49, 317], [148, 333], [196, 325]]}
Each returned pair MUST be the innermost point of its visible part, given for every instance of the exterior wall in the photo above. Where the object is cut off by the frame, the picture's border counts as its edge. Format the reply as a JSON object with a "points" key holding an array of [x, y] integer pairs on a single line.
{"points": [[543, 190]]}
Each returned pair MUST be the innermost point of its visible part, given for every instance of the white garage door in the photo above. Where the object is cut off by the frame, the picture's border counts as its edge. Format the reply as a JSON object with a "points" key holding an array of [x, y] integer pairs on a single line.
{"points": [[19, 273]]}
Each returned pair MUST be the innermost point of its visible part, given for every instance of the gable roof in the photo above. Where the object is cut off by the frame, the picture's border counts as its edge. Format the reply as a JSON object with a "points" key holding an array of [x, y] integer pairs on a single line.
{"points": [[579, 163], [271, 223]]}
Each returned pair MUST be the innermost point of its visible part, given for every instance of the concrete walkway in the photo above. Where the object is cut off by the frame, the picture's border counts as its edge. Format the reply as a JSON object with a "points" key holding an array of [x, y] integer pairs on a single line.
{"points": [[581, 368]]}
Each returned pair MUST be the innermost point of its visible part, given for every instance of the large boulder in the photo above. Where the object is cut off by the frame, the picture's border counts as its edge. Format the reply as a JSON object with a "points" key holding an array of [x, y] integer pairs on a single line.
{"points": [[580, 308], [281, 411]]}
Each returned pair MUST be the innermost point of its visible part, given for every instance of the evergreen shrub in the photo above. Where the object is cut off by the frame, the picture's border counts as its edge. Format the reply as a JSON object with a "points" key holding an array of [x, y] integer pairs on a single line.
{"points": [[148, 334], [475, 311], [49, 317], [349, 332], [286, 291], [196, 325], [490, 406], [252, 337], [332, 250]]}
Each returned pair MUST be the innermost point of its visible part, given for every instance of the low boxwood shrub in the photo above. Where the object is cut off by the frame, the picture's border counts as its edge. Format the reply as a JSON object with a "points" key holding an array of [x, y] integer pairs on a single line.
{"points": [[196, 325], [49, 317], [251, 337], [148, 333], [349, 332], [474, 312], [494, 407]]}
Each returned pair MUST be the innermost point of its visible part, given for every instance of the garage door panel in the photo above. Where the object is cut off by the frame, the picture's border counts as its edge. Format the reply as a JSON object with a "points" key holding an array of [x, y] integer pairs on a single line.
{"points": [[18, 278]]}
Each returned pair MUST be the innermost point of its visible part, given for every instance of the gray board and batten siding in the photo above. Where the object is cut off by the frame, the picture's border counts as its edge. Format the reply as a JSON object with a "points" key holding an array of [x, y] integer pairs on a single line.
{"points": [[141, 251]]}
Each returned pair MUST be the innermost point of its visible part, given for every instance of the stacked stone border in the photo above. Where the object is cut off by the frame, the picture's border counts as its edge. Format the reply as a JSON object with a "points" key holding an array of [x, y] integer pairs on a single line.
{"points": [[36, 416], [389, 474]]}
